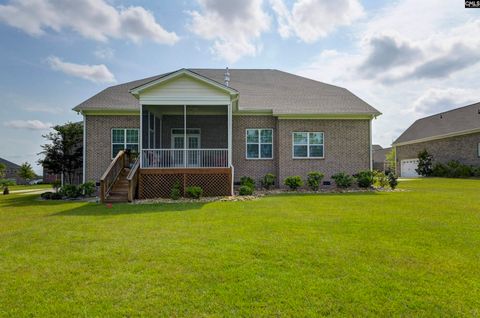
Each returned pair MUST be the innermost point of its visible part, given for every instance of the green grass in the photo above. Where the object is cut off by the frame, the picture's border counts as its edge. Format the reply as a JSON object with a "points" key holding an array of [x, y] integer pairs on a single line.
{"points": [[412, 253]]}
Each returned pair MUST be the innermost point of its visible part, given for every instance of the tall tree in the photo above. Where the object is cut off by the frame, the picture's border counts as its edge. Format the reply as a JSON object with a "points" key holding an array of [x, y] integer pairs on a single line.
{"points": [[26, 172], [63, 153], [2, 170]]}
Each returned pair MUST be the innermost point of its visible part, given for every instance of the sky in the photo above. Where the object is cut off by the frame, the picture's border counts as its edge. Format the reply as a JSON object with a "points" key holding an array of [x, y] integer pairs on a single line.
{"points": [[407, 58]]}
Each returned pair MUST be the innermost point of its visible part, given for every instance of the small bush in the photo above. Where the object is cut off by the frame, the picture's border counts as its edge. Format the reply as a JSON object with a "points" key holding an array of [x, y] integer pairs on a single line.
{"points": [[175, 194], [392, 180], [247, 181], [476, 171], [453, 169], [365, 179], [56, 185], [293, 182], [245, 190], [425, 165], [314, 179], [268, 180], [70, 191], [194, 192], [87, 188], [343, 180], [51, 196], [381, 179]]}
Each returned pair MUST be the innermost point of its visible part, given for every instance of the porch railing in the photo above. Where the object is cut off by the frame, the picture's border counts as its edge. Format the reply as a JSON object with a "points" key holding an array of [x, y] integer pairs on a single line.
{"points": [[185, 158], [111, 174]]}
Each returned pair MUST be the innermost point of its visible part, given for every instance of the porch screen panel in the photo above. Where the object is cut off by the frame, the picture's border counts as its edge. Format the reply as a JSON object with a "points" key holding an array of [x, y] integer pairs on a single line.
{"points": [[145, 129]]}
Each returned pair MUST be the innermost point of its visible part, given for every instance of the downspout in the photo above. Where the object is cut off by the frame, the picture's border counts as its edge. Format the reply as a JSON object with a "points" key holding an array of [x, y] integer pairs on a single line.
{"points": [[371, 155], [84, 159]]}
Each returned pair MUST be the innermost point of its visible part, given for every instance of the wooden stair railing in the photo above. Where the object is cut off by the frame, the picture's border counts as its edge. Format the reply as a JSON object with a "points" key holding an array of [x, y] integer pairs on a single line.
{"points": [[132, 179], [111, 174]]}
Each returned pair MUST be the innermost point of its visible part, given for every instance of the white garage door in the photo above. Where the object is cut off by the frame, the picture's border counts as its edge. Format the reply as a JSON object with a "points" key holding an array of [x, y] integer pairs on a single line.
{"points": [[407, 168]]}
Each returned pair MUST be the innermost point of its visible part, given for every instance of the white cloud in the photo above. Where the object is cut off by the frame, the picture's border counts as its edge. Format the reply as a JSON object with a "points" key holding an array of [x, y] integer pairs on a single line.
{"points": [[95, 73], [104, 53], [311, 20], [408, 62], [28, 124], [93, 19], [234, 27], [436, 100]]}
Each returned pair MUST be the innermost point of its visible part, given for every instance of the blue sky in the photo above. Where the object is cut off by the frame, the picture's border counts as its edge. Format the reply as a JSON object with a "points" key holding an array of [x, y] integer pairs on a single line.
{"points": [[407, 58]]}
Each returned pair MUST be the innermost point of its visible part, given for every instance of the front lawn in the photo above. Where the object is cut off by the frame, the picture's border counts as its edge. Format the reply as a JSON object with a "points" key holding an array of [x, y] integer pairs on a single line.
{"points": [[411, 253]]}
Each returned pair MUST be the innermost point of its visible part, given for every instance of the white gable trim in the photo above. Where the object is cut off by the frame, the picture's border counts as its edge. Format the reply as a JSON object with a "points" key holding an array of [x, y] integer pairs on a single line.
{"points": [[137, 90]]}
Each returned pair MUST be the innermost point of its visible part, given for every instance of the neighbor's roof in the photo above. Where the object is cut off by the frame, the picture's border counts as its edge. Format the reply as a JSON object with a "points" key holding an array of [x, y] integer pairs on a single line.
{"points": [[380, 154], [259, 90], [9, 164], [456, 121]]}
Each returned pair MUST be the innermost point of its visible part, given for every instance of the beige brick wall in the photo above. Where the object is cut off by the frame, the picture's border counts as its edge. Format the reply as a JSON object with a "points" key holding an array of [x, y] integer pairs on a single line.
{"points": [[346, 147], [99, 136], [255, 168], [462, 148]]}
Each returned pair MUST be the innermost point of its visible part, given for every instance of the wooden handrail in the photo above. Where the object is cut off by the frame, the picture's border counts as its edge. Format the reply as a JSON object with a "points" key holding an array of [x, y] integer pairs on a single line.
{"points": [[132, 179], [111, 174]]}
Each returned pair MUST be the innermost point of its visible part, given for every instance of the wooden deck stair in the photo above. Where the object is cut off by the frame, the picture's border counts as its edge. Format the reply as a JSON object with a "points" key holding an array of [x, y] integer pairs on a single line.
{"points": [[119, 191]]}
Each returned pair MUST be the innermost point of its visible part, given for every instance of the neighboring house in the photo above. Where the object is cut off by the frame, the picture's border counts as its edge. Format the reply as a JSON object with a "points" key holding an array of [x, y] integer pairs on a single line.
{"points": [[50, 177], [380, 157], [209, 127], [450, 135], [11, 172]]}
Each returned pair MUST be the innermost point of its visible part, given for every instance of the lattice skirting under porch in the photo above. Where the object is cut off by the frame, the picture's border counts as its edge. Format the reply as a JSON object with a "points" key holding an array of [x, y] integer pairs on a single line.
{"points": [[158, 183]]}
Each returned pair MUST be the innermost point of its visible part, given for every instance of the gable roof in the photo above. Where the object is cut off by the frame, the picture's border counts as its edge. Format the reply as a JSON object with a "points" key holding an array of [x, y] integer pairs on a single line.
{"points": [[9, 164], [454, 122], [259, 90], [379, 154]]}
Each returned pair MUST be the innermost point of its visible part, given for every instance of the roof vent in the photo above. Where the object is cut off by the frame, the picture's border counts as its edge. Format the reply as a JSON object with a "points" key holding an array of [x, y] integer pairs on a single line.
{"points": [[227, 77], [441, 116]]}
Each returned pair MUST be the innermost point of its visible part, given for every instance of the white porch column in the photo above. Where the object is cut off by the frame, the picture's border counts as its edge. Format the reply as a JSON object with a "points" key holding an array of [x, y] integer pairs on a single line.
{"points": [[229, 134], [184, 136], [140, 150]]}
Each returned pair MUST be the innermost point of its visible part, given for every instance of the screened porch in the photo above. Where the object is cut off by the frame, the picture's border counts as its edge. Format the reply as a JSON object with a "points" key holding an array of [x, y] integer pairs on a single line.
{"points": [[185, 136]]}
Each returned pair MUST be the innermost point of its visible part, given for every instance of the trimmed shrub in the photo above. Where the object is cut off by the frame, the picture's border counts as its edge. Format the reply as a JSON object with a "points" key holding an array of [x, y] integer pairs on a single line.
{"points": [[454, 169], [51, 196], [268, 180], [194, 192], [381, 179], [175, 193], [87, 188], [392, 180], [70, 191], [314, 179], [343, 180], [245, 190], [365, 179], [56, 185], [425, 164], [247, 181], [293, 182]]}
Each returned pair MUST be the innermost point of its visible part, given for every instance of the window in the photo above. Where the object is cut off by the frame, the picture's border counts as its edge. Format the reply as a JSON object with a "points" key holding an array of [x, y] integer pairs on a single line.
{"points": [[308, 145], [124, 139], [259, 143], [478, 150]]}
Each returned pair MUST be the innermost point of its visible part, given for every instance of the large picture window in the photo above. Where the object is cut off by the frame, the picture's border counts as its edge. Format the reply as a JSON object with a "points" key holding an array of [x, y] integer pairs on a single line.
{"points": [[308, 145], [124, 139], [259, 143]]}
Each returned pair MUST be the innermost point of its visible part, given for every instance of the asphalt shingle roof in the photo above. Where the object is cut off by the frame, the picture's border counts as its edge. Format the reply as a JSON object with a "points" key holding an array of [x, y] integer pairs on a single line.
{"points": [[450, 122], [259, 90]]}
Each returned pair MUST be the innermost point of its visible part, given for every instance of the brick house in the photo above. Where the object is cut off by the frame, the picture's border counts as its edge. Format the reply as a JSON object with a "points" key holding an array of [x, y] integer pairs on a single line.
{"points": [[450, 135], [11, 171], [209, 127]]}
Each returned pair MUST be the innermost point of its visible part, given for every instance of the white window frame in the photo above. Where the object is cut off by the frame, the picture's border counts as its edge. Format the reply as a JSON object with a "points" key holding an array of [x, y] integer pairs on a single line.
{"points": [[198, 134], [124, 140], [308, 144], [259, 143]]}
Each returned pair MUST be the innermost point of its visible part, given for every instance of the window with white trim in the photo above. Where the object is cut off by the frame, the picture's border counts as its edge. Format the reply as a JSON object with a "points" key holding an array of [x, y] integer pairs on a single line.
{"points": [[124, 139], [478, 150], [308, 145], [259, 143]]}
